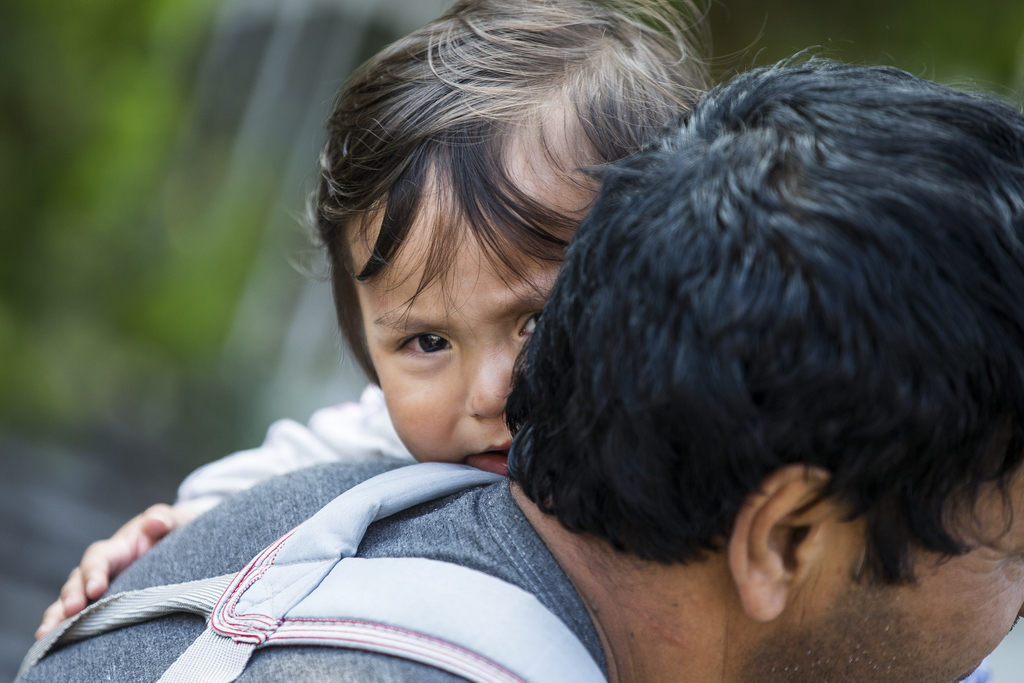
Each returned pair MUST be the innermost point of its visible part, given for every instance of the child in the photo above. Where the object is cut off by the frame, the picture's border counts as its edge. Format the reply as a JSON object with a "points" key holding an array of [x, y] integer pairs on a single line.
{"points": [[451, 184]]}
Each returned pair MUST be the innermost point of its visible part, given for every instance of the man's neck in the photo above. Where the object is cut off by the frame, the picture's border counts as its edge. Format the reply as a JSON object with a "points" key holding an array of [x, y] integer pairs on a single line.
{"points": [[656, 622]]}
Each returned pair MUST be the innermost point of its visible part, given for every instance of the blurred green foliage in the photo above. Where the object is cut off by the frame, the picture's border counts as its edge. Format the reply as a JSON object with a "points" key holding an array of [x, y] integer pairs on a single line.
{"points": [[119, 266], [100, 307], [942, 40]]}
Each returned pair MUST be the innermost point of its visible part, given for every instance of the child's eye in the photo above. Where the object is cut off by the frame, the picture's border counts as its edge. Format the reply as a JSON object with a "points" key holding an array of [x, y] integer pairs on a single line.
{"points": [[430, 343], [530, 326]]}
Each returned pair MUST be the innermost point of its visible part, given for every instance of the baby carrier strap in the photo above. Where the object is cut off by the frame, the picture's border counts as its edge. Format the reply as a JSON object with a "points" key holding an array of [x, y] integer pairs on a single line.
{"points": [[298, 592], [128, 608]]}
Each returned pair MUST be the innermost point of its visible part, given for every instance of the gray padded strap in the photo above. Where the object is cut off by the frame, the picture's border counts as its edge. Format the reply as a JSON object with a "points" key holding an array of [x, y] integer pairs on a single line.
{"points": [[451, 617], [492, 631], [300, 590], [131, 607], [290, 569]]}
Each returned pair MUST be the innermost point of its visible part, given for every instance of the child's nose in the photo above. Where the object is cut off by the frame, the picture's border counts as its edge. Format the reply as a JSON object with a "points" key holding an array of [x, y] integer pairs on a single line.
{"points": [[489, 388]]}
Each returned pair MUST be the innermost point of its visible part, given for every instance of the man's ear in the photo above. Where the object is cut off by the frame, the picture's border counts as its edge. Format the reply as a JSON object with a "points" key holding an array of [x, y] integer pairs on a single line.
{"points": [[777, 537]]}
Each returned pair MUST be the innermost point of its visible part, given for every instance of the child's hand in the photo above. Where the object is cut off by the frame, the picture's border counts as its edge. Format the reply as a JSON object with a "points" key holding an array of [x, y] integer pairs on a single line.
{"points": [[103, 560]]}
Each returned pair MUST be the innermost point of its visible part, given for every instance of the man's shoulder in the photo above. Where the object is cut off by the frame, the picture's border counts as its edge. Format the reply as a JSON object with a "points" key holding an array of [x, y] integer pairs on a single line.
{"points": [[224, 539], [143, 652], [219, 542], [481, 529]]}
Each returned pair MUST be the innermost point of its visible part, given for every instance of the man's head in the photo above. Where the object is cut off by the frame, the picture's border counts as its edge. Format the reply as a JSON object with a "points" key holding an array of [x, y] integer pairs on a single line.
{"points": [[811, 287]]}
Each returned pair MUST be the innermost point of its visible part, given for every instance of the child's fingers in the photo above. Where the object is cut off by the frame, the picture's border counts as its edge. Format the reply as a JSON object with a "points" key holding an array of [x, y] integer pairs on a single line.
{"points": [[53, 615], [72, 594], [182, 515], [158, 521], [95, 567], [105, 559]]}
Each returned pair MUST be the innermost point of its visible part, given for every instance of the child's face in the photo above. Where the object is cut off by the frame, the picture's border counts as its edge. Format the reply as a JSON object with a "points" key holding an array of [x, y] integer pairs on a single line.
{"points": [[445, 361]]}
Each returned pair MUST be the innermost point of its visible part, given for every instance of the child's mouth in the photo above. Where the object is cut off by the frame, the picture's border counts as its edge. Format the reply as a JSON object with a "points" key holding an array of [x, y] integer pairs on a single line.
{"points": [[491, 461]]}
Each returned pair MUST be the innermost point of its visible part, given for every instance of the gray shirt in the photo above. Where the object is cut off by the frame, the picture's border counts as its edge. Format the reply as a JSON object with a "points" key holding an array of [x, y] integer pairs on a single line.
{"points": [[482, 529]]}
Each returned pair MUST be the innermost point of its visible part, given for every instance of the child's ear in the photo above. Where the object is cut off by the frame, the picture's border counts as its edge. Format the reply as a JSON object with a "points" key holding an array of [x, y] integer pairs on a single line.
{"points": [[777, 538]]}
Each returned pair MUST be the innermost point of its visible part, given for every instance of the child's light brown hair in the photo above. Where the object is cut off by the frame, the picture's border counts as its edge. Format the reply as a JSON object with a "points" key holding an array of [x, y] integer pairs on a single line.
{"points": [[441, 106]]}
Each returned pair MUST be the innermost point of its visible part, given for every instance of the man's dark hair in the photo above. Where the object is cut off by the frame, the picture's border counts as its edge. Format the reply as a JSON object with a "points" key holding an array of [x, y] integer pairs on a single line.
{"points": [[819, 264]]}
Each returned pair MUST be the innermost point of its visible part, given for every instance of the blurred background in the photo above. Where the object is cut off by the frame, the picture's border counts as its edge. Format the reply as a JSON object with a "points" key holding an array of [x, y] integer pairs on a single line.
{"points": [[160, 300]]}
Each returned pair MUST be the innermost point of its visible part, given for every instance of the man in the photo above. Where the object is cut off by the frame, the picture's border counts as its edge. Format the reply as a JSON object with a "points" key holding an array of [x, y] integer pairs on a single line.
{"points": [[770, 424]]}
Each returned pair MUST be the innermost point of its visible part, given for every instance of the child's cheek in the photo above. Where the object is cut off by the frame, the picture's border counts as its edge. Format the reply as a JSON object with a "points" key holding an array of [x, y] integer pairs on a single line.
{"points": [[425, 421]]}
